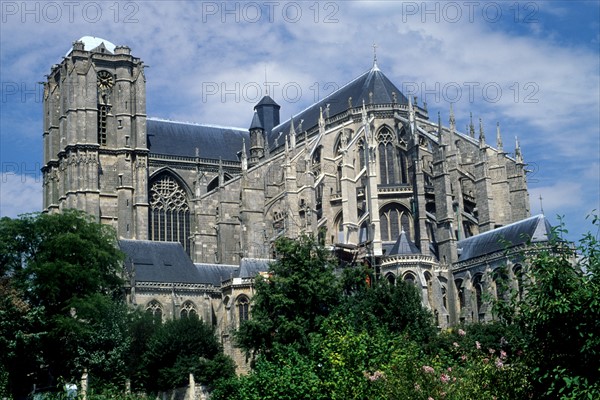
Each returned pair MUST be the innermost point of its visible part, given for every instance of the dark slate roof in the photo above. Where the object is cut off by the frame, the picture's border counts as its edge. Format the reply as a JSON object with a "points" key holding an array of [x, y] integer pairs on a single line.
{"points": [[256, 122], [266, 100], [159, 262], [403, 246], [535, 229], [250, 267], [216, 273], [372, 81], [181, 139]]}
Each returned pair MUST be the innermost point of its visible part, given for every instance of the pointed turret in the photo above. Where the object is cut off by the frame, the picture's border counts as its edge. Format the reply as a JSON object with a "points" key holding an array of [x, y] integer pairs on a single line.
{"points": [[439, 128], [499, 138], [411, 117], [321, 120], [471, 126], [257, 140], [451, 119], [481, 135], [268, 113], [518, 154], [221, 173], [292, 135], [256, 124], [267, 151], [244, 158]]}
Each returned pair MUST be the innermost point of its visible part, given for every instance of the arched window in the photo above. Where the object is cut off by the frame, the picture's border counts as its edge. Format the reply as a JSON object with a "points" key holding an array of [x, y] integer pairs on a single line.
{"points": [[444, 298], [338, 179], [391, 279], [518, 272], [388, 163], [316, 162], [338, 228], [410, 278], [363, 233], [243, 305], [154, 309], [361, 153], [169, 212], [501, 284], [429, 283], [460, 293], [188, 310], [393, 219], [478, 287], [403, 172]]}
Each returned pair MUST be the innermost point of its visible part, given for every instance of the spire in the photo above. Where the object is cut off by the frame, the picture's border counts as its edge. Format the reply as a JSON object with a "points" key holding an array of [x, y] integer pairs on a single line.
{"points": [[439, 127], [471, 126], [287, 147], [498, 138], [364, 112], [411, 116], [266, 82], [375, 67], [244, 158], [306, 149], [292, 135], [481, 134], [452, 120], [518, 155], [321, 119], [266, 153], [221, 173]]}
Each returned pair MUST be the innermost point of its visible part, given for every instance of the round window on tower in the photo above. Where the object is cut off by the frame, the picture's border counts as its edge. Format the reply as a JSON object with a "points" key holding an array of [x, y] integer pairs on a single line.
{"points": [[105, 80]]}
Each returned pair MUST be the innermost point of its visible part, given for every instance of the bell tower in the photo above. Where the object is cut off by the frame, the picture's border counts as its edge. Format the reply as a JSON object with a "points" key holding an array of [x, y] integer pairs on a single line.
{"points": [[95, 150]]}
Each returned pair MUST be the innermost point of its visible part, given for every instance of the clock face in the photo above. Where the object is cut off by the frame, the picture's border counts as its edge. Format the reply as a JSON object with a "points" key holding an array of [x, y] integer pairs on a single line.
{"points": [[105, 80]]}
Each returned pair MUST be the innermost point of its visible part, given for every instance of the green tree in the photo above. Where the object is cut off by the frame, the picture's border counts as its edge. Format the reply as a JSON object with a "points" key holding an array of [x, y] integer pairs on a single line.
{"points": [[178, 348], [57, 272], [292, 302], [397, 307], [559, 318]]}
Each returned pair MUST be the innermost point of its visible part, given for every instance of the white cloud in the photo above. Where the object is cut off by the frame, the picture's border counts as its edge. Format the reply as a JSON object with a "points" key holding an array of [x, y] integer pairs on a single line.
{"points": [[187, 46], [557, 197], [19, 194]]}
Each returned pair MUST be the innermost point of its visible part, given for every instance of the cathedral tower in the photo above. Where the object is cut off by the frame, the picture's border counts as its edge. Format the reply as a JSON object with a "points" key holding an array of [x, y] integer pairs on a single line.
{"points": [[95, 150]]}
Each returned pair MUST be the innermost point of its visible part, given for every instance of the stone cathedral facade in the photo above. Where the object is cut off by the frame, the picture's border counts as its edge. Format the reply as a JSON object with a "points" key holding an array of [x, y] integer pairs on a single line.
{"points": [[198, 207]]}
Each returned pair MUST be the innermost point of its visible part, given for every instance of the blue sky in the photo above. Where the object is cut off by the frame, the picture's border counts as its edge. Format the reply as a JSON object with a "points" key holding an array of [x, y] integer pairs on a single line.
{"points": [[532, 66]]}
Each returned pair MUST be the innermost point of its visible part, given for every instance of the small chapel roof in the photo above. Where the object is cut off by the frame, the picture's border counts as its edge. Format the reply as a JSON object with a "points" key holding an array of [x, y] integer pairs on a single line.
{"points": [[151, 261], [403, 246], [216, 273], [534, 229], [372, 81], [181, 139], [250, 267], [167, 262], [256, 124], [266, 100]]}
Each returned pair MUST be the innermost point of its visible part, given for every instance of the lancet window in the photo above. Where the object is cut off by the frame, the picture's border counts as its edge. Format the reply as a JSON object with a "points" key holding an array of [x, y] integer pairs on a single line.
{"points": [[155, 310], [188, 310], [393, 219], [169, 212]]}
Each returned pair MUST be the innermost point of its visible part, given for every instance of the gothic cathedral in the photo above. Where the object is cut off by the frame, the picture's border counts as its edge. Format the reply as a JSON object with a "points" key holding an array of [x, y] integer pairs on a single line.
{"points": [[198, 207]]}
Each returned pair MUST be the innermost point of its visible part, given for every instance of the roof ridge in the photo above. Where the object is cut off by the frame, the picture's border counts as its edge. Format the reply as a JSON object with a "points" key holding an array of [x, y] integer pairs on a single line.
{"points": [[497, 230], [325, 98], [158, 119]]}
